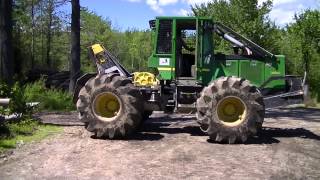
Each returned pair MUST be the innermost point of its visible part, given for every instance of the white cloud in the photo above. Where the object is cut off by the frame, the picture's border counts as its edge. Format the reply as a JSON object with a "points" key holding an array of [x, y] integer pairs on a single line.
{"points": [[154, 5], [283, 10], [157, 5], [183, 12], [193, 2], [167, 2], [278, 2], [301, 6], [261, 1], [281, 16], [134, 0], [159, 2]]}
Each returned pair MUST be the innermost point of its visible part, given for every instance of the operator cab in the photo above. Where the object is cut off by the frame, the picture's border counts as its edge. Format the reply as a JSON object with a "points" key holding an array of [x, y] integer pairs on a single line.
{"points": [[186, 48], [183, 49]]}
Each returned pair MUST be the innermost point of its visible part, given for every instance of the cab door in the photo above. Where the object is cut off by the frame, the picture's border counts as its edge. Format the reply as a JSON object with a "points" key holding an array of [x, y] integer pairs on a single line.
{"points": [[164, 58], [204, 57]]}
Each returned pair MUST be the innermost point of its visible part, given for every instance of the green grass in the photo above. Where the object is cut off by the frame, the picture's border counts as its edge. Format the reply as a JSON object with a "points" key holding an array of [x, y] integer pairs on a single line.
{"points": [[25, 131], [317, 106], [314, 106], [50, 99]]}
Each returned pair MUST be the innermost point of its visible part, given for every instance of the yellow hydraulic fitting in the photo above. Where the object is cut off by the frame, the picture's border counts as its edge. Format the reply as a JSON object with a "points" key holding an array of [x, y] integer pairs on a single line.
{"points": [[144, 79]]}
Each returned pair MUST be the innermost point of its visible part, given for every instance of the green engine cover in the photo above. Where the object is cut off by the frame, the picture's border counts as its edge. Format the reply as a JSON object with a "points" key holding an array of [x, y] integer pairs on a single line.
{"points": [[254, 70]]}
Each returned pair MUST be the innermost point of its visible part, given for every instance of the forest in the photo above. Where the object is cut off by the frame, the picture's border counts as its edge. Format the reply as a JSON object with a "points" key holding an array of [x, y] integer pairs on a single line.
{"points": [[39, 36]]}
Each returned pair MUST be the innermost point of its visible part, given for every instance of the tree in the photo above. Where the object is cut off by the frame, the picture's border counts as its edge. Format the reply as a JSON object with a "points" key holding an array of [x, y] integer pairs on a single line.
{"points": [[75, 44], [301, 44], [244, 16], [50, 10], [94, 29], [32, 33], [6, 61]]}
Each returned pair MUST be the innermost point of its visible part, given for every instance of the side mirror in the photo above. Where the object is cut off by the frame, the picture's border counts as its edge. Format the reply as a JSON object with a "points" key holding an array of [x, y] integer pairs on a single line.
{"points": [[152, 24]]}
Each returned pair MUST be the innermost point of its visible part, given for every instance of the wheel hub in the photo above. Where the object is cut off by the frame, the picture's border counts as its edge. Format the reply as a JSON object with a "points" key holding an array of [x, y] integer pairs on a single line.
{"points": [[112, 106], [231, 111], [106, 106]]}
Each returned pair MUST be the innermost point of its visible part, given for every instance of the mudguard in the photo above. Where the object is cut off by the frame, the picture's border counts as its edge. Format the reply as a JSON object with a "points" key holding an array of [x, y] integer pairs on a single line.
{"points": [[80, 83]]}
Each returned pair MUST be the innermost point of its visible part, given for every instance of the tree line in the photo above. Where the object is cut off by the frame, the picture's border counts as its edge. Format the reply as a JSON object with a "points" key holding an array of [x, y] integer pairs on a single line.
{"points": [[42, 36]]}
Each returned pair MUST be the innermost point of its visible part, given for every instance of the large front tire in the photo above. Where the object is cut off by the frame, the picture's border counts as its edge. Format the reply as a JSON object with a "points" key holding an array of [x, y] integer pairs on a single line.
{"points": [[230, 109], [110, 106]]}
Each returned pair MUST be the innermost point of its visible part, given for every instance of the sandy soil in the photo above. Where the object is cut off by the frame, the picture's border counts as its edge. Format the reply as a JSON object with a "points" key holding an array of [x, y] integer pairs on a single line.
{"points": [[168, 148]]}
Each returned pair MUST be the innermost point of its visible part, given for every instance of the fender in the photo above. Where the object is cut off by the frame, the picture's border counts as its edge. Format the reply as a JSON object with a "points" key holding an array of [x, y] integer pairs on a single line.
{"points": [[80, 83]]}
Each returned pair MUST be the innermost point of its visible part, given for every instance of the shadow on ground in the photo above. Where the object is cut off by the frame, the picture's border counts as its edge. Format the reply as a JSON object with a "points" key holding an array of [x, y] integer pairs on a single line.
{"points": [[268, 135], [155, 127], [160, 125], [295, 114]]}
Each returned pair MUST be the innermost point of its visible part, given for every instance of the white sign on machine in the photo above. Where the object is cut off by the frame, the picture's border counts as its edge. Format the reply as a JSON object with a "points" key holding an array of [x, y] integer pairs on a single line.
{"points": [[164, 61]]}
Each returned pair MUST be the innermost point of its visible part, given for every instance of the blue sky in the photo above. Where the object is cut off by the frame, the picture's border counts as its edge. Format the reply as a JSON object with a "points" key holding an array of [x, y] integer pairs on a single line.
{"points": [[126, 14]]}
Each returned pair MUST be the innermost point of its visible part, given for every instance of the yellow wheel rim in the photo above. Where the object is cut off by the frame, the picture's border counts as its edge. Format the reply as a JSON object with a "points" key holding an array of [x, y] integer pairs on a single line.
{"points": [[106, 106], [231, 111]]}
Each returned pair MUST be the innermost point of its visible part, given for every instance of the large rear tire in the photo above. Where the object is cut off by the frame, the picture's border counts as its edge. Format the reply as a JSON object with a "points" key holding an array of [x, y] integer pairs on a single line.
{"points": [[110, 106], [146, 114], [230, 109]]}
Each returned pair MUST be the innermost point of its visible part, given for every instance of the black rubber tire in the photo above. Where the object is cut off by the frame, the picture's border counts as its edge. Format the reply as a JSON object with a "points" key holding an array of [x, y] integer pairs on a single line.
{"points": [[208, 118], [146, 115], [129, 117], [169, 109]]}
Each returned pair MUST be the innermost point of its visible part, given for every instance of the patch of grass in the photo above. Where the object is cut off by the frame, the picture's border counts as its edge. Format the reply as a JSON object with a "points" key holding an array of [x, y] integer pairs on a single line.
{"points": [[312, 102], [317, 106], [13, 134], [50, 99], [314, 106]]}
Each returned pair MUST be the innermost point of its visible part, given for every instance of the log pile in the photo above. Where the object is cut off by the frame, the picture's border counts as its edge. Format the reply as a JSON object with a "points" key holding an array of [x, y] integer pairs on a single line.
{"points": [[53, 79], [59, 80]]}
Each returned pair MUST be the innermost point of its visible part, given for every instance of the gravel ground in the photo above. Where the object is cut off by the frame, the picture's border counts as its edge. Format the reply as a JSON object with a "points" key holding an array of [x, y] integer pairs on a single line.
{"points": [[168, 148]]}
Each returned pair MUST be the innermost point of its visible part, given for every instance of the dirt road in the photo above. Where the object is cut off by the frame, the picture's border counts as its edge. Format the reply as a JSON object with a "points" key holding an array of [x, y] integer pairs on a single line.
{"points": [[167, 148]]}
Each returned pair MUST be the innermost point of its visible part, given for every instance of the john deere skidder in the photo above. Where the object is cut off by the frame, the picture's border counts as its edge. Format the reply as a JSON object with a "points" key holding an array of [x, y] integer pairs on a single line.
{"points": [[229, 93]]}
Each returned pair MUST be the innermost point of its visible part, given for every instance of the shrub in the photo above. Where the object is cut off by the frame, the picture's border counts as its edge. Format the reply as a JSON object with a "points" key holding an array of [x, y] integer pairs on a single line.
{"points": [[50, 99], [18, 101], [25, 128]]}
